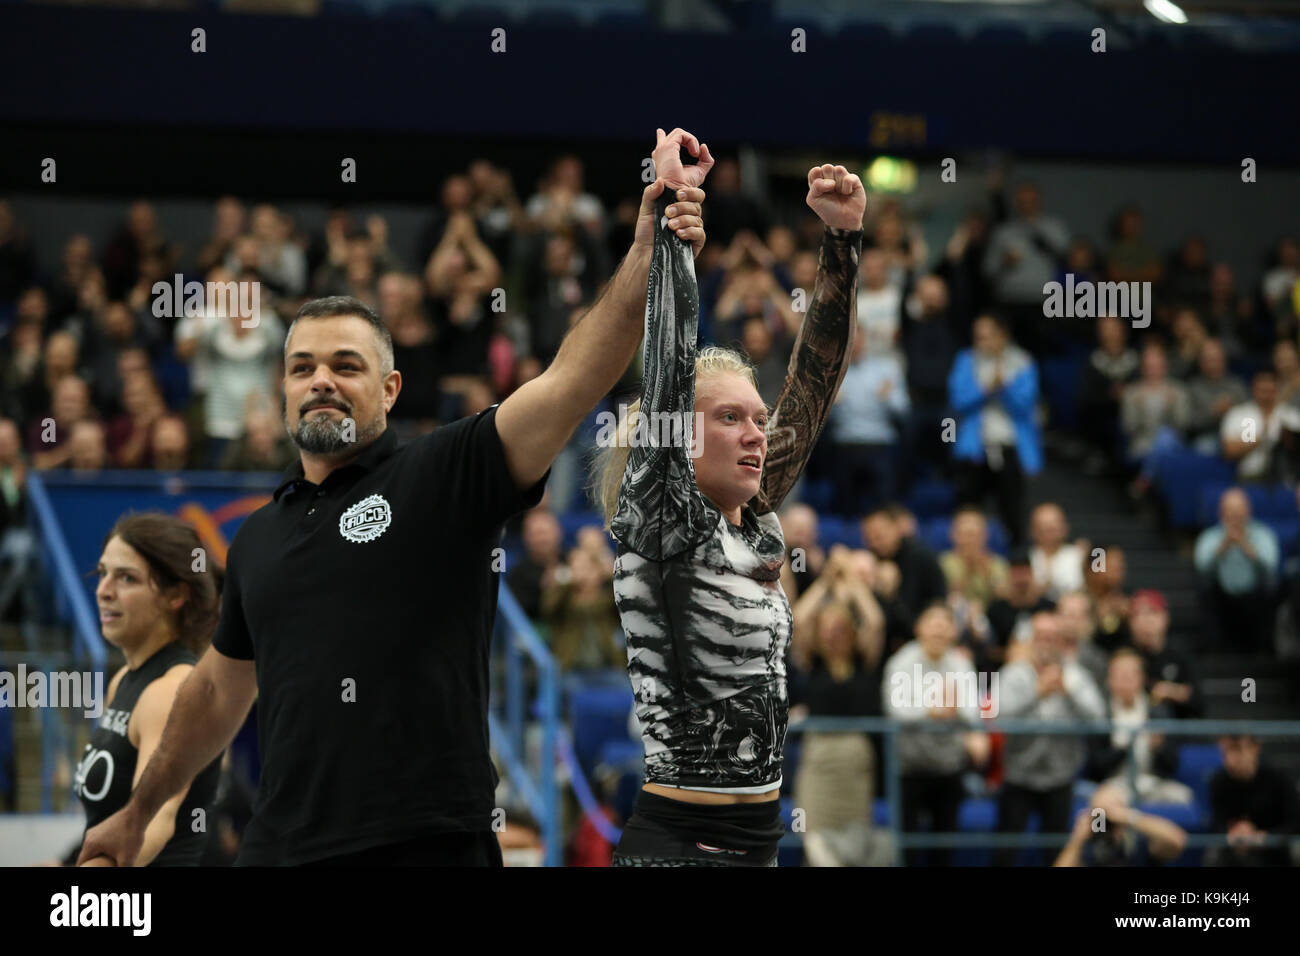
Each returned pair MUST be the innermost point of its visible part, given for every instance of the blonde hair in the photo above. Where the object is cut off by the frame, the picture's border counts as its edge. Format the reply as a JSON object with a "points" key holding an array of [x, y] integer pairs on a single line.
{"points": [[609, 463]]}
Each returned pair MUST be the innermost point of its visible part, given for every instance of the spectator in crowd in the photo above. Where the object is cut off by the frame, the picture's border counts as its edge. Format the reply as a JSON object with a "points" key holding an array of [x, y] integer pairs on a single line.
{"points": [[753, 282], [880, 303], [805, 557], [1278, 286], [1190, 337], [228, 220], [129, 435], [1120, 835], [933, 763], [962, 267], [1286, 364], [455, 199], [1187, 280], [1229, 315], [770, 358], [731, 207], [904, 247], [13, 477], [1169, 677], [561, 278], [993, 390], [242, 358], [837, 647], [138, 237], [971, 569], [170, 443], [77, 264], [1237, 560], [414, 349], [921, 580], [1253, 432], [1210, 395], [1103, 579], [21, 350], [115, 330], [1077, 627], [48, 437], [17, 260], [1153, 414], [929, 344], [865, 428], [497, 210], [560, 200], [280, 262], [1023, 255], [579, 612], [542, 556], [1040, 769], [352, 268], [1012, 612], [1250, 800], [1140, 764], [60, 358], [264, 445], [1130, 257], [87, 448], [1057, 562]]}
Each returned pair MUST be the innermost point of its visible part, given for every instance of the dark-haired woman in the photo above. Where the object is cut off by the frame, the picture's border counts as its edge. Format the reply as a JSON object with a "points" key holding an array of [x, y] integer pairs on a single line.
{"points": [[158, 598]]}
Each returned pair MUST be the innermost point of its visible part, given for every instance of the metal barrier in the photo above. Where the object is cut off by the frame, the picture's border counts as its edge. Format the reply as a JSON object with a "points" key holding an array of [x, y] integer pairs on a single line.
{"points": [[518, 640], [71, 604], [893, 771]]}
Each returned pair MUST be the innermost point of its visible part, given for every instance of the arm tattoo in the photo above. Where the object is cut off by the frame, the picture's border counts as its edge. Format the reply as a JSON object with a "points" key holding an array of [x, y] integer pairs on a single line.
{"points": [[817, 367]]}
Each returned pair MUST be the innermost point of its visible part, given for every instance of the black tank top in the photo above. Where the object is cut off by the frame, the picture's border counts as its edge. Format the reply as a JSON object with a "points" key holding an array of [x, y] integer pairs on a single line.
{"points": [[107, 769]]}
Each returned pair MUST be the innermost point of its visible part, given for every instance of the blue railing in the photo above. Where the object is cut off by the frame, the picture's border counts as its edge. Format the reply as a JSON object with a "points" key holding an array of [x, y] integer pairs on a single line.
{"points": [[71, 604], [893, 771], [540, 791]]}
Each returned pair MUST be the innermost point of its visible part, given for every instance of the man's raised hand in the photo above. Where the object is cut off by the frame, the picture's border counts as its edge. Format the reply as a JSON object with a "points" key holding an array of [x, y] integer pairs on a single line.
{"points": [[837, 196], [683, 216], [667, 158]]}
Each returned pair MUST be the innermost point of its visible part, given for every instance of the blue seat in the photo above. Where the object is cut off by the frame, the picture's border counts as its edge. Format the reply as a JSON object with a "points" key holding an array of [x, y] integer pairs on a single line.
{"points": [[1197, 763], [1181, 476], [928, 499], [1059, 376], [599, 715], [833, 529], [1208, 506], [816, 494]]}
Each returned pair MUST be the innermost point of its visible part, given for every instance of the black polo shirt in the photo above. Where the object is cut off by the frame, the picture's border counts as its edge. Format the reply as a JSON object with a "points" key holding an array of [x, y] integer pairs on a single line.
{"points": [[378, 585]]}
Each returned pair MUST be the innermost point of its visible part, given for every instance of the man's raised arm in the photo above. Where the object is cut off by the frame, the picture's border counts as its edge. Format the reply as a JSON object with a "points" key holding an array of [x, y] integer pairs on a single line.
{"points": [[536, 421]]}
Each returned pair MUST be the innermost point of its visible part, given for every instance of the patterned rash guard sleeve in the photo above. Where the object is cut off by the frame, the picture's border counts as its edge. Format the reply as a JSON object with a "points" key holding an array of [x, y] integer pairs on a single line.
{"points": [[661, 512], [817, 366]]}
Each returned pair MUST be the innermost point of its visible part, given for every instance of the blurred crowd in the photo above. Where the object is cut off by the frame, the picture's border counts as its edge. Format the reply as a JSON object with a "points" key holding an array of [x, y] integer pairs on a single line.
{"points": [[946, 384]]}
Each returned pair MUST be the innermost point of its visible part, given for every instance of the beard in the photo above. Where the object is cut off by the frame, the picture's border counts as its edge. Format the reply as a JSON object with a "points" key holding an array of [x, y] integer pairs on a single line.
{"points": [[323, 435]]}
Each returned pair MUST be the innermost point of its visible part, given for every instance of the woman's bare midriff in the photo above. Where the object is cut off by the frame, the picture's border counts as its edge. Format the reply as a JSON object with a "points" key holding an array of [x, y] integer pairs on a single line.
{"points": [[708, 797]]}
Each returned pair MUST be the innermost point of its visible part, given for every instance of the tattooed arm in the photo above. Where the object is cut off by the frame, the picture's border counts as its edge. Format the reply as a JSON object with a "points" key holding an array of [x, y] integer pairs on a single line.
{"points": [[825, 339]]}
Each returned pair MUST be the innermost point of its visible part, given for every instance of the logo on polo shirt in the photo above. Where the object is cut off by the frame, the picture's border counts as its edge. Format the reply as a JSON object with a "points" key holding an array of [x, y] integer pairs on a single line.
{"points": [[366, 520]]}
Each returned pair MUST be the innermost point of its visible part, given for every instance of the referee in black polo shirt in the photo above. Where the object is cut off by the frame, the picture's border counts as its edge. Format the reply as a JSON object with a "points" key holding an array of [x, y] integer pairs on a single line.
{"points": [[359, 602]]}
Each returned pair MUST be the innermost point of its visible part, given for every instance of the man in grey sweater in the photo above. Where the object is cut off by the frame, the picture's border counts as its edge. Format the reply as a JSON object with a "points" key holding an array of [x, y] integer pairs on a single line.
{"points": [[1041, 768], [928, 679]]}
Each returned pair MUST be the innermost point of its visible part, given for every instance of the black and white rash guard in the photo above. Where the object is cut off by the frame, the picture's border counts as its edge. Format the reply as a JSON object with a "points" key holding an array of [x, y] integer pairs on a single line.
{"points": [[701, 603]]}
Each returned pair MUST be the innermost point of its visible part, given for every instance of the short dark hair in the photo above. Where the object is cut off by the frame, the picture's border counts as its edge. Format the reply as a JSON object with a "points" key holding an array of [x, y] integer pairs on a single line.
{"points": [[334, 306]]}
